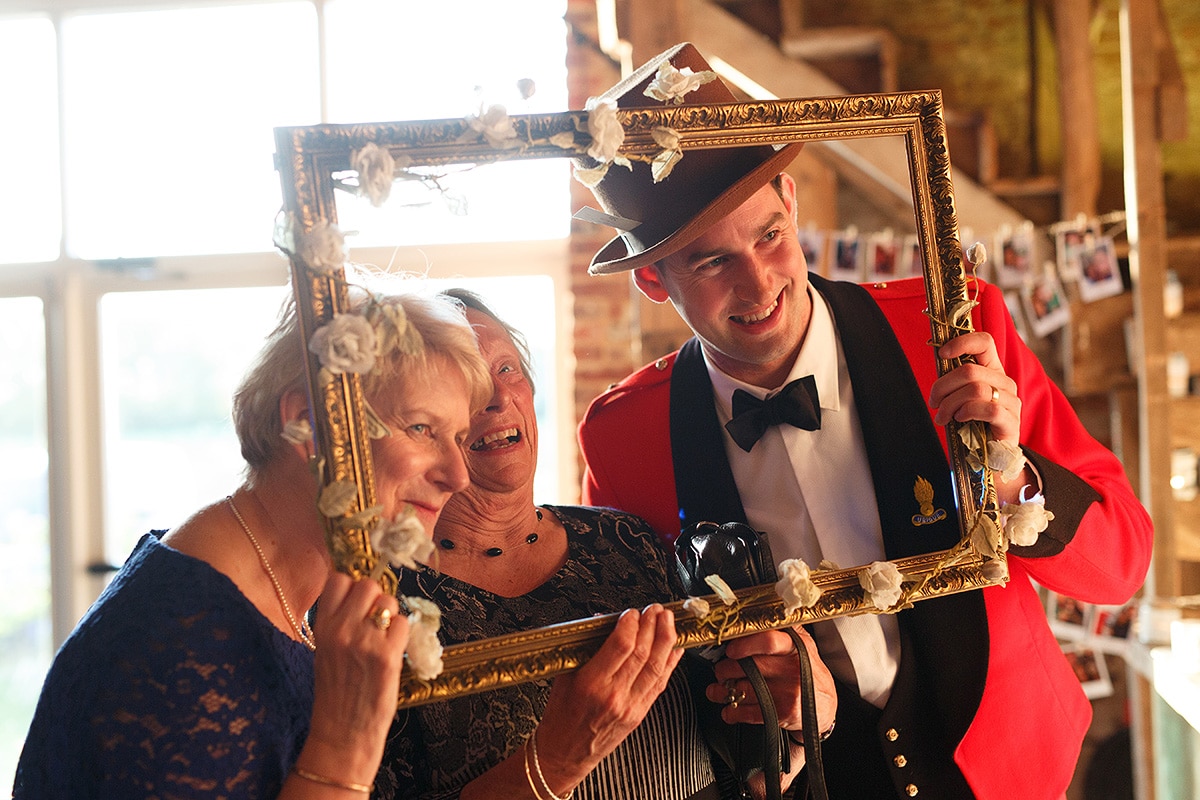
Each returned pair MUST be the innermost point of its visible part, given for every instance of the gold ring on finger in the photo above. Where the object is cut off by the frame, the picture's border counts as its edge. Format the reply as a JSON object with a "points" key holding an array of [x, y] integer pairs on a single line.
{"points": [[382, 617], [995, 395]]}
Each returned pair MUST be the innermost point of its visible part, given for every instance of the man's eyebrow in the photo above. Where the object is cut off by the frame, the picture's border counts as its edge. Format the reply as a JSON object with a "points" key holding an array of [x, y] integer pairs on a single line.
{"points": [[700, 256]]}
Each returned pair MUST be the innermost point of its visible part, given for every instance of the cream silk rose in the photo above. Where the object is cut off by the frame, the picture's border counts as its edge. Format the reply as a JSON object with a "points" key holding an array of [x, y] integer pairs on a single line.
{"points": [[494, 125], [1023, 522], [403, 540], [795, 586], [424, 650], [323, 249], [345, 344], [604, 128], [881, 580], [376, 170], [670, 85]]}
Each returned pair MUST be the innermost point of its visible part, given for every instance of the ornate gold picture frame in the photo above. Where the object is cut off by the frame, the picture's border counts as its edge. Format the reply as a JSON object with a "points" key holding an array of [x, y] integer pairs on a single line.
{"points": [[316, 162]]}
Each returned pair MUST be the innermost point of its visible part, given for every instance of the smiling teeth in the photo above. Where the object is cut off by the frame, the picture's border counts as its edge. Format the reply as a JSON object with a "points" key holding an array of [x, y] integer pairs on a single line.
{"points": [[750, 319], [508, 436]]}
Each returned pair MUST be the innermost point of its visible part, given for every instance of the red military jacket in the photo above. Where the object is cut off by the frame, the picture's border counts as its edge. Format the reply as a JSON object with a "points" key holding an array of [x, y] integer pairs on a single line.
{"points": [[1026, 722]]}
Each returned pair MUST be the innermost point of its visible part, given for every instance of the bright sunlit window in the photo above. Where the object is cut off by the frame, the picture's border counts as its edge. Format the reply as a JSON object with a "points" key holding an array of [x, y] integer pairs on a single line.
{"points": [[379, 73], [169, 126], [30, 213]]}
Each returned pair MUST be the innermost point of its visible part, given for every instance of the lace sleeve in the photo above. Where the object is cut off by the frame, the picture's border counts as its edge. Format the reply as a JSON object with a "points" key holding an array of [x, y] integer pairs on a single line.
{"points": [[177, 721], [172, 686]]}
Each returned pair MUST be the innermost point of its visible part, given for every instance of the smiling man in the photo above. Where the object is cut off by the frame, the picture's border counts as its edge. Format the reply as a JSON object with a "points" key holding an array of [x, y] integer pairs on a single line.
{"points": [[961, 696]]}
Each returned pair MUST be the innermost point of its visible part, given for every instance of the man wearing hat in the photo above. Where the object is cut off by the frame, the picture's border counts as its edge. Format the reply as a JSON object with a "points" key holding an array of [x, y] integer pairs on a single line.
{"points": [[965, 695]]}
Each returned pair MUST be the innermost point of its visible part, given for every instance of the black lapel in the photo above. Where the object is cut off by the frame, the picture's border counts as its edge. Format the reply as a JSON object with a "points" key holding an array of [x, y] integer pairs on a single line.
{"points": [[703, 480], [886, 392]]}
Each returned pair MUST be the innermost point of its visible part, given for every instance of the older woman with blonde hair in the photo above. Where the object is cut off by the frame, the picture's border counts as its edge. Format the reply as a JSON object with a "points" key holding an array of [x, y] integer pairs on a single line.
{"points": [[196, 673]]}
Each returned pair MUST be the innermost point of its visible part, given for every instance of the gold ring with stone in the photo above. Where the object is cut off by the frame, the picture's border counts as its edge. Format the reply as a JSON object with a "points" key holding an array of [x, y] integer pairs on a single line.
{"points": [[733, 694], [382, 617]]}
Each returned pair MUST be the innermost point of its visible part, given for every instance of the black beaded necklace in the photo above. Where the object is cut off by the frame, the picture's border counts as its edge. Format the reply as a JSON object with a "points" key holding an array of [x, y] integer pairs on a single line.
{"points": [[493, 552]]}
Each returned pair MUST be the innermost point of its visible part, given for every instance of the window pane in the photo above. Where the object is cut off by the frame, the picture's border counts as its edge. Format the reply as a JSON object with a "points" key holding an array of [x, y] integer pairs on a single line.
{"points": [[170, 363], [25, 635], [30, 213], [376, 75], [169, 118]]}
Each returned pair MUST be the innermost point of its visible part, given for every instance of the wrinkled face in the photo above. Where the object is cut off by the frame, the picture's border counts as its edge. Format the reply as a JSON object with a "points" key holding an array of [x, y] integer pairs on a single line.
{"points": [[502, 451], [742, 288], [422, 462]]}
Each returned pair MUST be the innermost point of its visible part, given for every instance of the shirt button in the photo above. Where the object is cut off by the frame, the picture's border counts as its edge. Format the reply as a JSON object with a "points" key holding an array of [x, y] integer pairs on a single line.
{"points": [[900, 760], [911, 790], [661, 364], [892, 734]]}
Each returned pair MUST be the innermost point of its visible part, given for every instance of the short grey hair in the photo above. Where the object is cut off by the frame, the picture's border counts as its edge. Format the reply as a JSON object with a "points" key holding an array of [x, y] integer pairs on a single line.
{"points": [[279, 367]]}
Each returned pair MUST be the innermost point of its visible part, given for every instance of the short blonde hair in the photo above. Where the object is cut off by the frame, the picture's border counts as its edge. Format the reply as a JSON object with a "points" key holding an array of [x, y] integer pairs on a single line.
{"points": [[280, 366]]}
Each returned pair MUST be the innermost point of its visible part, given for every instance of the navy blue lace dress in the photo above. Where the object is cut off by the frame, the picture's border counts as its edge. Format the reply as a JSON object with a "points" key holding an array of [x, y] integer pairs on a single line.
{"points": [[173, 685]]}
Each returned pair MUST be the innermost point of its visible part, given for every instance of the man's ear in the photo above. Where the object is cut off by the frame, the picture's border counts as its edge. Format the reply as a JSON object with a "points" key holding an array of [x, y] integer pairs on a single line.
{"points": [[648, 283], [787, 189]]}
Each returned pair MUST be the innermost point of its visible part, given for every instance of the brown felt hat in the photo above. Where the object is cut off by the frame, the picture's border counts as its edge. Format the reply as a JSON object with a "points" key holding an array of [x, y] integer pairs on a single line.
{"points": [[657, 219]]}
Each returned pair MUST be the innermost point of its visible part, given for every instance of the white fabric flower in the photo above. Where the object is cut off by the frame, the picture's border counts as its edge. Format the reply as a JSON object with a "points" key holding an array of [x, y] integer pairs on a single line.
{"points": [[881, 580], [1023, 522], [297, 431], [494, 126], [995, 570], [1006, 458], [345, 344], [671, 84], [403, 540], [323, 249], [591, 176], [337, 497], [718, 585], [977, 254], [376, 170], [424, 650], [696, 606], [795, 586], [604, 128]]}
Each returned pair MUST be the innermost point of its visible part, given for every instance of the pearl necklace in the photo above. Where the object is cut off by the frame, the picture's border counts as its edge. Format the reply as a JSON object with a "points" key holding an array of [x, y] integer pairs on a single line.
{"points": [[493, 552], [302, 628]]}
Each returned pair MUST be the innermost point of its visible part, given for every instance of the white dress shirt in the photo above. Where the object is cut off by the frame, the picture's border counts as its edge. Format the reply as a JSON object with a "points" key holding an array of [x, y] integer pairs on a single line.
{"points": [[824, 506]]}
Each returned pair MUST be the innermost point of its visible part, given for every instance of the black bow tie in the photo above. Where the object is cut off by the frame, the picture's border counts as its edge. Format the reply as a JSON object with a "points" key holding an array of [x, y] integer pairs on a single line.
{"points": [[796, 404]]}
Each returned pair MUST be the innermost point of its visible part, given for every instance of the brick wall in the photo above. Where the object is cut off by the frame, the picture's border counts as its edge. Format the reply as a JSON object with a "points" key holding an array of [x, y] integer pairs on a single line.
{"points": [[605, 347]]}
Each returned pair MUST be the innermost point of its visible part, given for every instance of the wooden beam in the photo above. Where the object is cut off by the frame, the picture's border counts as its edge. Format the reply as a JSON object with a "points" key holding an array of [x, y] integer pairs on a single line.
{"points": [[1078, 104], [1172, 91], [1145, 208], [651, 28]]}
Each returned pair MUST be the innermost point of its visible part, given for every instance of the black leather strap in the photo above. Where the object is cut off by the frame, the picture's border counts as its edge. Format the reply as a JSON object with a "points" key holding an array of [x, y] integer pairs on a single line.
{"points": [[772, 744], [810, 726]]}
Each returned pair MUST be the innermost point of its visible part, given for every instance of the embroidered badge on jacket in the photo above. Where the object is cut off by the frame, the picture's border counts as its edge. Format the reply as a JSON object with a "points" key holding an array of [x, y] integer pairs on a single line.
{"points": [[923, 490]]}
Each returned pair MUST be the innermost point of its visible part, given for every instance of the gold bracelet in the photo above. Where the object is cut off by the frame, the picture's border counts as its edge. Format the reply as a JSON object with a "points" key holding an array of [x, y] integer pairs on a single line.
{"points": [[347, 785], [532, 742], [528, 773]]}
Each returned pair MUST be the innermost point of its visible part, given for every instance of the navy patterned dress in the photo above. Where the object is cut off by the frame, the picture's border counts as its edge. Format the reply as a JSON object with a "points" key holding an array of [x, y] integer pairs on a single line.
{"points": [[614, 562], [173, 685]]}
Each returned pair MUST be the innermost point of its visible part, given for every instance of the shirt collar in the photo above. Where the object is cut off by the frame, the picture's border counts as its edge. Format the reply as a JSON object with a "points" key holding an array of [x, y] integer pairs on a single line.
{"points": [[817, 357]]}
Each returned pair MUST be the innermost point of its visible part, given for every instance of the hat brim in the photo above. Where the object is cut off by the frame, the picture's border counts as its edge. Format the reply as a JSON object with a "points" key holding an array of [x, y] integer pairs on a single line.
{"points": [[616, 257]]}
